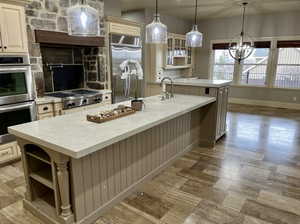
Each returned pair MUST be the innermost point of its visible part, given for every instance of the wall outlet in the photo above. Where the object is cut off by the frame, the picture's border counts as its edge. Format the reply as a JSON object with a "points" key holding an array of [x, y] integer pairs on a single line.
{"points": [[294, 98]]}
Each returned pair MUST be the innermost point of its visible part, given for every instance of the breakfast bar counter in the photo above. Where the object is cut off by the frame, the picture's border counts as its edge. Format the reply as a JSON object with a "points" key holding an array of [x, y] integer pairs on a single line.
{"points": [[75, 169]]}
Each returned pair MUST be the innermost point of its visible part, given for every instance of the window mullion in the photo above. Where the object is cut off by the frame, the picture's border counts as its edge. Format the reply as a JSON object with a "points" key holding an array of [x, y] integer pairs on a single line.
{"points": [[237, 73], [272, 65]]}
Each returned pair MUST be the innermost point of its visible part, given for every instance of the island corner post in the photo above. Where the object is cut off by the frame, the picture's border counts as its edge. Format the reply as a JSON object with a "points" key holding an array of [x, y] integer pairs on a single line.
{"points": [[62, 189]]}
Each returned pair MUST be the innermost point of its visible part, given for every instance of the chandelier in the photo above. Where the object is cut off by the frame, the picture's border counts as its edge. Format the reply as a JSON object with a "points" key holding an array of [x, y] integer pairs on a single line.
{"points": [[83, 20], [245, 47], [194, 38], [156, 32]]}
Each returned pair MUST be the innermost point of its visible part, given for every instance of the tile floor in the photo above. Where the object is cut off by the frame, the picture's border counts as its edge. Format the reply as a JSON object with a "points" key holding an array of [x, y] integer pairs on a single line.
{"points": [[252, 176]]}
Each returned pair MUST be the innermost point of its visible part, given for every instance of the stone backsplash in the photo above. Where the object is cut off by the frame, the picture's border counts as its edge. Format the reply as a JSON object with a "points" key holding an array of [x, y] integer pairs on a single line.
{"points": [[50, 15]]}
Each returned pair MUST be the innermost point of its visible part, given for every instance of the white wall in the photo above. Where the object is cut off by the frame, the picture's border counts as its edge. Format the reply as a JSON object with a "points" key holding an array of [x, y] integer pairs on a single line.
{"points": [[269, 25], [175, 25], [112, 8]]}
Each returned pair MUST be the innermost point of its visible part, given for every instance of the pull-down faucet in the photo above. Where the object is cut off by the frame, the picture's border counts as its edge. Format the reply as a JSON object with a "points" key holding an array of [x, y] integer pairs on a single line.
{"points": [[166, 94]]}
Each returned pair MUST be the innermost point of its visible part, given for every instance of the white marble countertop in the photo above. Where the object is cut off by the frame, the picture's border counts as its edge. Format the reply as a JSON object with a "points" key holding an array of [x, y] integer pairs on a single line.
{"points": [[202, 82], [51, 99], [76, 137], [199, 82]]}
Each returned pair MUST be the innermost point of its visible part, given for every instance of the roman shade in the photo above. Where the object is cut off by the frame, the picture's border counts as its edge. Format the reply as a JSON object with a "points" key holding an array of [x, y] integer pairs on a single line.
{"points": [[288, 44], [257, 44]]}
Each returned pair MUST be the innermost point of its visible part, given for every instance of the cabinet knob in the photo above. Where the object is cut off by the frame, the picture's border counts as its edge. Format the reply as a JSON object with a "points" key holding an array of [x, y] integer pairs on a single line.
{"points": [[5, 47]]}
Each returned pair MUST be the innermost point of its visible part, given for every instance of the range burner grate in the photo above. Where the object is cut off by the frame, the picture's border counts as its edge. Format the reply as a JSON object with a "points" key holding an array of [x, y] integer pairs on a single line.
{"points": [[84, 91], [61, 95]]}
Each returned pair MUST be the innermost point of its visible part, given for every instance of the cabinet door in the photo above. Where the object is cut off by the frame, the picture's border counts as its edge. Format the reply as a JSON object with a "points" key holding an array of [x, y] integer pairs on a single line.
{"points": [[219, 113], [224, 109], [13, 28]]}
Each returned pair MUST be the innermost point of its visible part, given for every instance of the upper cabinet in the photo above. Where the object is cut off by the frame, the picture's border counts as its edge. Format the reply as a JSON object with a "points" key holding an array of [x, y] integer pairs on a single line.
{"points": [[178, 54], [13, 38]]}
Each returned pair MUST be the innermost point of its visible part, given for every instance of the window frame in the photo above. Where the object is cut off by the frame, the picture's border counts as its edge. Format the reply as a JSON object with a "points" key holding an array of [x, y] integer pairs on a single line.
{"points": [[271, 66]]}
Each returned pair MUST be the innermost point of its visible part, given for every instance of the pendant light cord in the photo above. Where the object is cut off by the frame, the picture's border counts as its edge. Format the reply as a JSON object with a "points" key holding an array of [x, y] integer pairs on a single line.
{"points": [[196, 12], [243, 23], [156, 8]]}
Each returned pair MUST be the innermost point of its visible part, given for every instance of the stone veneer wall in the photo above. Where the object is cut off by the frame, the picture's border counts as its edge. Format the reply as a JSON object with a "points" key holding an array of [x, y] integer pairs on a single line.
{"points": [[51, 15]]}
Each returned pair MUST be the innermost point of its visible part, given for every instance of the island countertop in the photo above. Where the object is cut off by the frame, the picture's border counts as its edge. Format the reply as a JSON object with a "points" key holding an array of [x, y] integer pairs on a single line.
{"points": [[74, 136], [198, 82], [202, 82]]}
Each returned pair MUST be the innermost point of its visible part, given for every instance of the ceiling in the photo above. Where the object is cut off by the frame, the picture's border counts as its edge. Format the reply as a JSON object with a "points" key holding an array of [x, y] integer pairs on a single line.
{"points": [[212, 8]]}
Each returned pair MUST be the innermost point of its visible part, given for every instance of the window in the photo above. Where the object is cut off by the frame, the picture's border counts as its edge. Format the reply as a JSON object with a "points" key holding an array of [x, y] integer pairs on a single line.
{"points": [[223, 67], [254, 68], [288, 65]]}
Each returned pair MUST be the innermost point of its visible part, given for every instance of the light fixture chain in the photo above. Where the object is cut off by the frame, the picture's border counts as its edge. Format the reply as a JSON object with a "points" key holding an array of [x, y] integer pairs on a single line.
{"points": [[196, 12], [244, 12]]}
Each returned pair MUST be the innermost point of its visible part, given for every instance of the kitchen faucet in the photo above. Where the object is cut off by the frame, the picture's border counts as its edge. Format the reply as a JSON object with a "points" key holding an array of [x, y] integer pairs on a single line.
{"points": [[166, 94]]}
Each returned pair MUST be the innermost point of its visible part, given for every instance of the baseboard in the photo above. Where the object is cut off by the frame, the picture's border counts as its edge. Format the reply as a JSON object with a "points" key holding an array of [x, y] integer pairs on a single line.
{"points": [[265, 103]]}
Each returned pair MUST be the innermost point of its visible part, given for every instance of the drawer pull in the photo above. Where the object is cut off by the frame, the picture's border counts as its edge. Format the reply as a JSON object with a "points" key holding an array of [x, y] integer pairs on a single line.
{"points": [[45, 108], [4, 153]]}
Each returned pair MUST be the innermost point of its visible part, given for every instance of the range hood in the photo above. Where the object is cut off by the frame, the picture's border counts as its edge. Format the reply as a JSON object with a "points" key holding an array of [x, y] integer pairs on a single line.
{"points": [[60, 38]]}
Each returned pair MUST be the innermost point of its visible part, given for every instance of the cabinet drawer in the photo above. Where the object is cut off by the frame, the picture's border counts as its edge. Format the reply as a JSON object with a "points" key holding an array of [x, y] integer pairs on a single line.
{"points": [[45, 108], [8, 152], [124, 29], [45, 116]]}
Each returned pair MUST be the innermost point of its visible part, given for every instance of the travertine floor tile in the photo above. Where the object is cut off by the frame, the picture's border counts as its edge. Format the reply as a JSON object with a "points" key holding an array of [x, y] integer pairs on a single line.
{"points": [[280, 202], [268, 213], [252, 176], [234, 201]]}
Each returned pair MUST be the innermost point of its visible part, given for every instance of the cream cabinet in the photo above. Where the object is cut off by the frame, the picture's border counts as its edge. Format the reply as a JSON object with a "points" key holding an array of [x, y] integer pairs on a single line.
{"points": [[9, 152], [178, 54], [221, 94], [13, 29]]}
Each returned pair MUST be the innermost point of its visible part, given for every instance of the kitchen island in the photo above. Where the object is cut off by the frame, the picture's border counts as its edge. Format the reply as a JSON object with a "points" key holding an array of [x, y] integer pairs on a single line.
{"points": [[75, 169], [202, 87]]}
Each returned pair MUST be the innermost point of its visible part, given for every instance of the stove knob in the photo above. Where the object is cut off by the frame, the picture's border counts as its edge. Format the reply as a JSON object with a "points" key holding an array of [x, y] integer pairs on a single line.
{"points": [[84, 101], [69, 105]]}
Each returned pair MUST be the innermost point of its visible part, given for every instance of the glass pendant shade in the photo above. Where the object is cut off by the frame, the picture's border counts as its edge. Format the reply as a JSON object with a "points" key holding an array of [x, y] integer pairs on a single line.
{"points": [[83, 20], [194, 38], [156, 32]]}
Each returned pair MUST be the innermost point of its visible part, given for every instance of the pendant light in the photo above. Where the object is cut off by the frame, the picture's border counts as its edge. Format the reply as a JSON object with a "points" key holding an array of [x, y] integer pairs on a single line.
{"points": [[83, 20], [241, 50], [156, 32], [194, 38]]}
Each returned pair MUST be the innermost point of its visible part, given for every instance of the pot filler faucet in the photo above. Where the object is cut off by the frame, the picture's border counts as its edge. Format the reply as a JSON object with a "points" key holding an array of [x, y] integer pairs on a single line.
{"points": [[166, 94]]}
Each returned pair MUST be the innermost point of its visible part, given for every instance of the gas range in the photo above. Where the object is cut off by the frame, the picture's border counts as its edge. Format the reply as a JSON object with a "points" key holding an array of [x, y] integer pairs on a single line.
{"points": [[77, 98]]}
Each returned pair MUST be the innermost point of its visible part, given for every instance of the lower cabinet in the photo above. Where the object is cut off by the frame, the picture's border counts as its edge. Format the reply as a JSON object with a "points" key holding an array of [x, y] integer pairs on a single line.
{"points": [[221, 95], [9, 152], [222, 101]]}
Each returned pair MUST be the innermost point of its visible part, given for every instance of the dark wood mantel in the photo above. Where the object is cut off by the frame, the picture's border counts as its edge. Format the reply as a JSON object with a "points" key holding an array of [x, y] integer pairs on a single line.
{"points": [[52, 37]]}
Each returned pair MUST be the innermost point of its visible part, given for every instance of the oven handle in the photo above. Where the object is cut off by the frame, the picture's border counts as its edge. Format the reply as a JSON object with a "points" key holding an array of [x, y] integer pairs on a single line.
{"points": [[14, 69], [15, 107]]}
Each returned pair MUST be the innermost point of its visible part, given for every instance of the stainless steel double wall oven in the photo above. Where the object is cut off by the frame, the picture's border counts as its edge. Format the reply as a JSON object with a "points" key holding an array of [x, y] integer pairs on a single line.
{"points": [[17, 94]]}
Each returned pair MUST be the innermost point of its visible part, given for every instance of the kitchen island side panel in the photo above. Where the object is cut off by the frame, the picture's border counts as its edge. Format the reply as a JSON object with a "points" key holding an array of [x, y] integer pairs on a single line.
{"points": [[100, 178]]}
